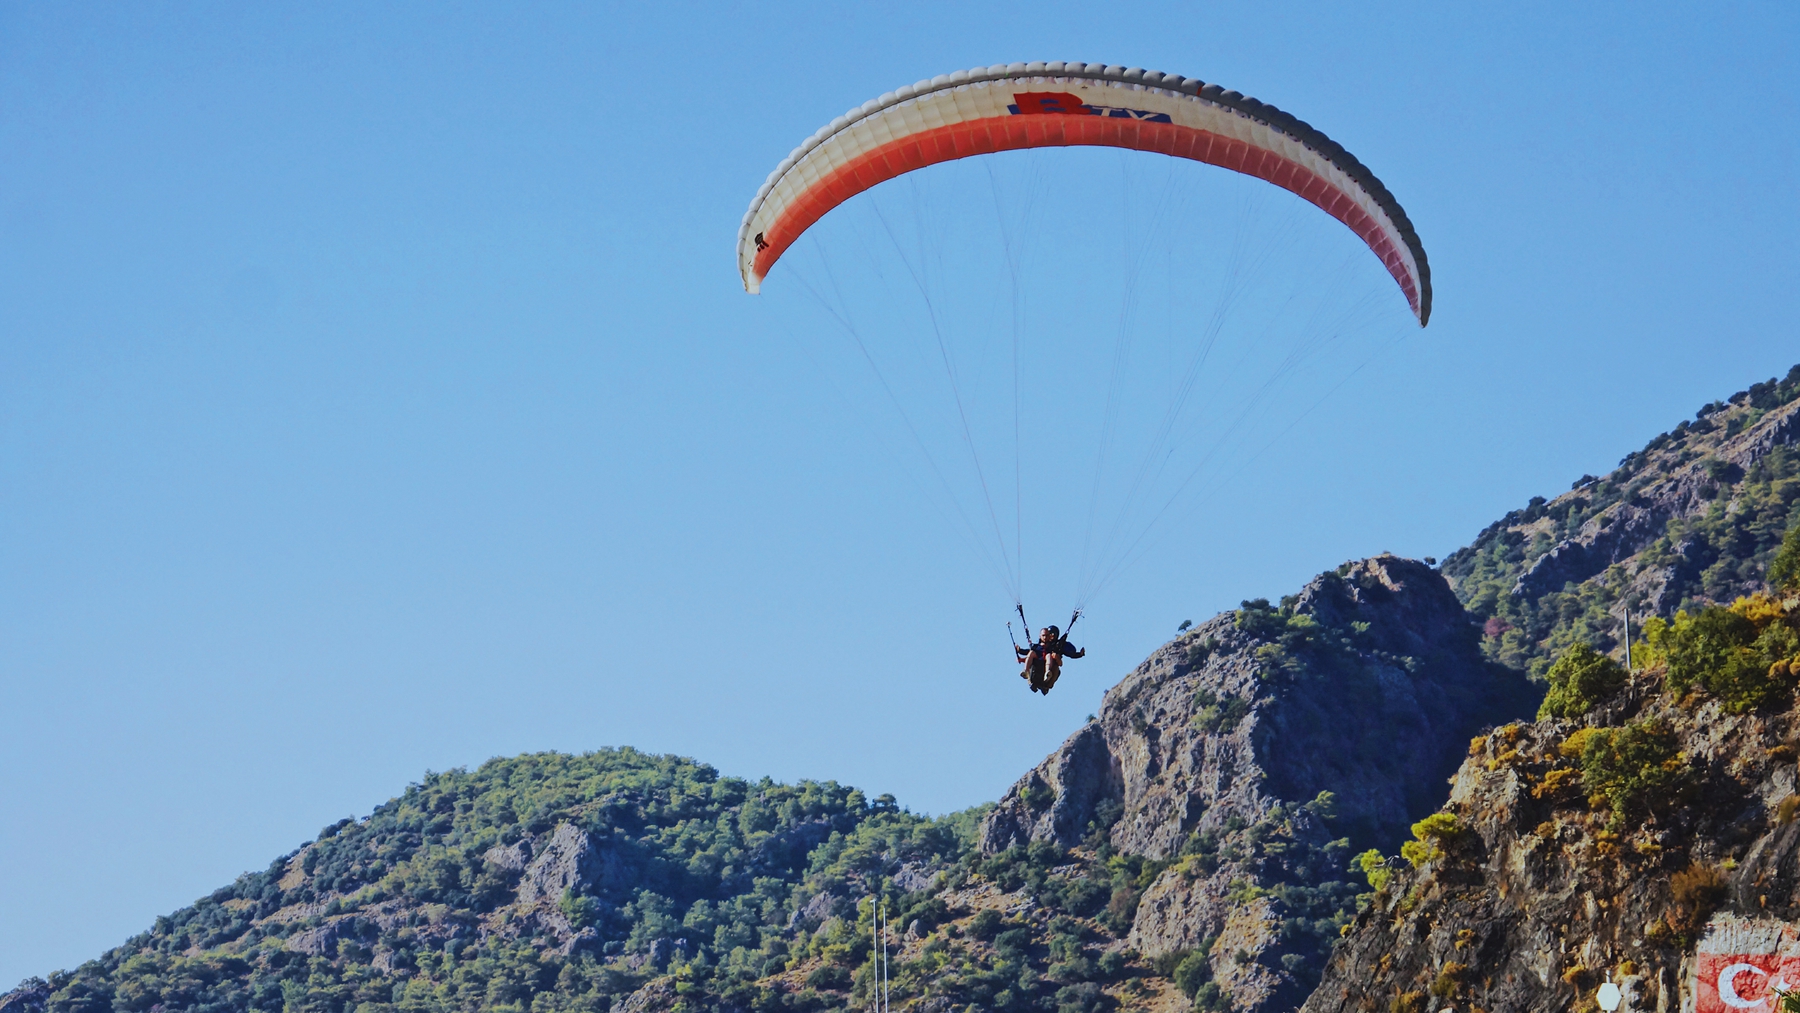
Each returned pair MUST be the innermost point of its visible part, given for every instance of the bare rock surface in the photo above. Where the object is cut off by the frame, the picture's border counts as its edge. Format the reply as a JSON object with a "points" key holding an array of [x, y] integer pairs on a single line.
{"points": [[656, 996], [511, 857], [813, 913], [1693, 518], [914, 876], [1057, 799], [568, 861]]}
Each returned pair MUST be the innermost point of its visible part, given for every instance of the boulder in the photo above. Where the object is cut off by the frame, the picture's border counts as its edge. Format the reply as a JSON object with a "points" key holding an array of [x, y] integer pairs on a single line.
{"points": [[586, 941], [567, 861], [813, 913], [512, 857], [914, 876]]}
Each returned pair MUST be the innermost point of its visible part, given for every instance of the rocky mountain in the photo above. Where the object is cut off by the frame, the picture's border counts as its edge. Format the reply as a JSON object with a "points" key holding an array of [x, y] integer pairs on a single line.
{"points": [[1257, 751], [1221, 836], [1693, 517]]}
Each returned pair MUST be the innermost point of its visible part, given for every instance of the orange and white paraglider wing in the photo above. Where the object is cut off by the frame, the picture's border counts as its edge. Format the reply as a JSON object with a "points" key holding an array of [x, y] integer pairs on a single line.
{"points": [[1036, 105]]}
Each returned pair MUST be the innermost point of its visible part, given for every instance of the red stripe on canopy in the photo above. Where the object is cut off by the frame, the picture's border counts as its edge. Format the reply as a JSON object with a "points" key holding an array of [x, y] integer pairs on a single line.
{"points": [[1009, 133]]}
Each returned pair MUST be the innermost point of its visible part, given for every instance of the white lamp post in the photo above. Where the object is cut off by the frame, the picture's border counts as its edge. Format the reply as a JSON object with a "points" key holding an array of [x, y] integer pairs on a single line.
{"points": [[1609, 996]]}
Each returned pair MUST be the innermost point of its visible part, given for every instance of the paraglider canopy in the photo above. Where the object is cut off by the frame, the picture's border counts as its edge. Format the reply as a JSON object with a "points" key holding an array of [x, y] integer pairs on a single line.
{"points": [[1033, 105], [1224, 315]]}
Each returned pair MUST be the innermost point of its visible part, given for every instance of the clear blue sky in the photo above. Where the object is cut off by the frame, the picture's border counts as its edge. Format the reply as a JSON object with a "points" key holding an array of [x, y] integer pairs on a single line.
{"points": [[377, 393]]}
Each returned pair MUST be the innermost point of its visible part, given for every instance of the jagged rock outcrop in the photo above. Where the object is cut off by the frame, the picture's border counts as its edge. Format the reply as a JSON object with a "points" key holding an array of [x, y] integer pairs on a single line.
{"points": [[1543, 887], [915, 876], [813, 913], [567, 861], [512, 857], [1366, 685], [654, 997], [323, 940], [1058, 798]]}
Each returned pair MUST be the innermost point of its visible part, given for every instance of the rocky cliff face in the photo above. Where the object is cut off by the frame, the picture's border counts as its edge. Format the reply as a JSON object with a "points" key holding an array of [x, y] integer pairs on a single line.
{"points": [[1683, 478], [1650, 841], [1257, 750]]}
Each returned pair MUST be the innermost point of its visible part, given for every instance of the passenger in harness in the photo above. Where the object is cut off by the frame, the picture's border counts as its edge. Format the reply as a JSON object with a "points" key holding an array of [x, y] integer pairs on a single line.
{"points": [[1043, 660]]}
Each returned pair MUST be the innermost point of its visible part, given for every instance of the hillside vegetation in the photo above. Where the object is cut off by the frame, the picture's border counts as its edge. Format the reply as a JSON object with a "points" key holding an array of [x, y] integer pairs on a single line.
{"points": [[418, 908], [617, 879]]}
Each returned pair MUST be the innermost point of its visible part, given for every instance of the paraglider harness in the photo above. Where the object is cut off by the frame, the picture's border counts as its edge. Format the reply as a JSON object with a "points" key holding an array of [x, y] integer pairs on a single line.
{"points": [[1038, 649]]}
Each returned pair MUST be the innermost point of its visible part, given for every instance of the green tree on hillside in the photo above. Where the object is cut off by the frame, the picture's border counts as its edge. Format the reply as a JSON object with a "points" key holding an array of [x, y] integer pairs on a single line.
{"points": [[1784, 570], [381, 915], [1580, 678], [1744, 654]]}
